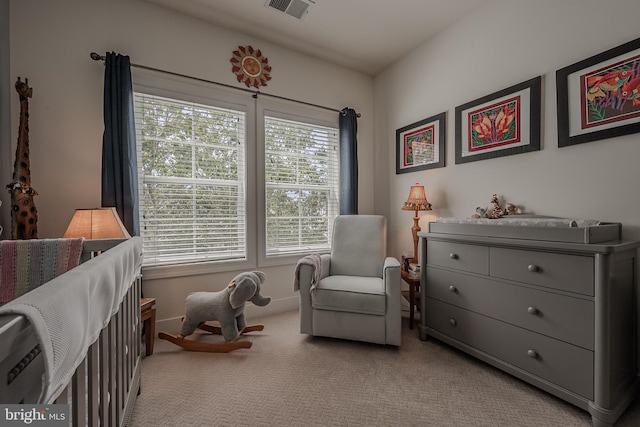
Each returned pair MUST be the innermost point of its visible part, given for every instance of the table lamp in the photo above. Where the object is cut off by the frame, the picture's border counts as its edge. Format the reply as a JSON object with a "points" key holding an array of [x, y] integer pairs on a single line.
{"points": [[417, 201], [97, 223]]}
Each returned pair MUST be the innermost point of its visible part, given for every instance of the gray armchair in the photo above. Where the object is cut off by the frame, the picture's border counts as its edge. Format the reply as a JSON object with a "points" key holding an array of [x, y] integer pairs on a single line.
{"points": [[355, 294]]}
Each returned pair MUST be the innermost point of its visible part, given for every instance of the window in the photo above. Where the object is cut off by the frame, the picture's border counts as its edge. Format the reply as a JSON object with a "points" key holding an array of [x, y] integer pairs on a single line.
{"points": [[301, 185], [192, 196], [227, 181]]}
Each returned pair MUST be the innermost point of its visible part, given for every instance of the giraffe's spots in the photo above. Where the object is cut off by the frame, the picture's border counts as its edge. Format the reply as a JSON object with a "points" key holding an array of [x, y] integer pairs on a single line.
{"points": [[24, 214], [32, 220], [16, 208]]}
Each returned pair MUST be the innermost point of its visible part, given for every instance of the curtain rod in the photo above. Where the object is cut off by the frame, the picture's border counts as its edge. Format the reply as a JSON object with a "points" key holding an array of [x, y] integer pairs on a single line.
{"points": [[255, 93]]}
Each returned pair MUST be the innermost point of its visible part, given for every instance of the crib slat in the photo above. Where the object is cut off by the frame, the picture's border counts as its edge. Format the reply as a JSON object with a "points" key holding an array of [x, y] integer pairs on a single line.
{"points": [[79, 395], [113, 369], [104, 377], [93, 384], [127, 338], [120, 365]]}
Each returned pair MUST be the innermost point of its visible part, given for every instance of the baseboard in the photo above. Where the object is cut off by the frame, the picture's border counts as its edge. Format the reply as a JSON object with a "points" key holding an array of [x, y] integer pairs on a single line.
{"points": [[172, 325]]}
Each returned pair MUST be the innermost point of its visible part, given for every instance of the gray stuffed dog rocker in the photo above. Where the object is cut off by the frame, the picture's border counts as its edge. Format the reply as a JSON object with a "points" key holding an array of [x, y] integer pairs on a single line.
{"points": [[225, 306]]}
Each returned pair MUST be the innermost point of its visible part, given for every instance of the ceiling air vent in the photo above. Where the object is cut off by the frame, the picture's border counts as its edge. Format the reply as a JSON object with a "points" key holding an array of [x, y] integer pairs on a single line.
{"points": [[296, 8]]}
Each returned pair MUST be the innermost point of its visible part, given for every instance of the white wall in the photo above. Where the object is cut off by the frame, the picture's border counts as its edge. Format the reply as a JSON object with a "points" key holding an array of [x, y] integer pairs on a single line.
{"points": [[504, 43], [50, 44]]}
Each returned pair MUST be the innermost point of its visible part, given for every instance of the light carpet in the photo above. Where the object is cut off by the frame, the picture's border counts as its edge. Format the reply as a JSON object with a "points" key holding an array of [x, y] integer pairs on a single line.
{"points": [[289, 379]]}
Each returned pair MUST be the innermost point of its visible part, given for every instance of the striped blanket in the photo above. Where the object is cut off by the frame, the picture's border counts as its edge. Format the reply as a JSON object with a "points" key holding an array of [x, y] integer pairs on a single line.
{"points": [[27, 264]]}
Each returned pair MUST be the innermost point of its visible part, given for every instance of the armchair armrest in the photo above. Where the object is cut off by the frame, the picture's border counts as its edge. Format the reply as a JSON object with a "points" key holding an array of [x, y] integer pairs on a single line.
{"points": [[391, 276], [307, 271], [392, 286], [306, 276]]}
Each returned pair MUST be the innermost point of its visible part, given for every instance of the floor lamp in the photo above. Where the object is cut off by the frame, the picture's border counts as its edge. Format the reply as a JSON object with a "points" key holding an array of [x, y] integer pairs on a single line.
{"points": [[417, 201]]}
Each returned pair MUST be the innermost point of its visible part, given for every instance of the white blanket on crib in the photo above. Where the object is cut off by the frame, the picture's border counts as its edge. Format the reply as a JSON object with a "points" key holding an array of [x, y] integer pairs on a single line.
{"points": [[69, 311]]}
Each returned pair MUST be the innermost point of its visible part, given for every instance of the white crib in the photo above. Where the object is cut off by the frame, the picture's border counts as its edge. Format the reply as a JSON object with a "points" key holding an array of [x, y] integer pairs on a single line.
{"points": [[102, 388]]}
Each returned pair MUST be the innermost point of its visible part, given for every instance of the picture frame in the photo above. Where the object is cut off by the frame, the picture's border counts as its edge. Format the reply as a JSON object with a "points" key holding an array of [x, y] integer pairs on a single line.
{"points": [[599, 97], [503, 123], [421, 145]]}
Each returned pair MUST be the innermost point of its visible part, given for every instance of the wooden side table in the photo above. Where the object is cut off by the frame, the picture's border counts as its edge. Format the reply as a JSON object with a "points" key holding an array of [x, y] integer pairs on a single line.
{"points": [[148, 318], [413, 294]]}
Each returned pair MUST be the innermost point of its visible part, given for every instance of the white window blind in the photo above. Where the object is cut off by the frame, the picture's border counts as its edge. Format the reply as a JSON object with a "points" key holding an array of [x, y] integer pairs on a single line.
{"points": [[191, 165], [301, 185]]}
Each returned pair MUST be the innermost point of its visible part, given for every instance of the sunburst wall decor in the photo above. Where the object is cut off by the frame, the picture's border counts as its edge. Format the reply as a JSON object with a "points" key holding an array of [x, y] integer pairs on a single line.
{"points": [[250, 66]]}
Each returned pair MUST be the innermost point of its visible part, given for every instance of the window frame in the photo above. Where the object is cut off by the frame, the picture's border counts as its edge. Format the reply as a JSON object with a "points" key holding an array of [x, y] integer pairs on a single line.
{"points": [[289, 111], [161, 84]]}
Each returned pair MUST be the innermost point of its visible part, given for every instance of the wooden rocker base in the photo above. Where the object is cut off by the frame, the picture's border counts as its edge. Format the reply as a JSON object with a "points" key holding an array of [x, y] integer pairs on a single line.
{"points": [[225, 347]]}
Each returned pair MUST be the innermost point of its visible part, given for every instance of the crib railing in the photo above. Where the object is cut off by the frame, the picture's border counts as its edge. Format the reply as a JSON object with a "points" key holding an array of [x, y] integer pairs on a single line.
{"points": [[103, 389], [105, 385]]}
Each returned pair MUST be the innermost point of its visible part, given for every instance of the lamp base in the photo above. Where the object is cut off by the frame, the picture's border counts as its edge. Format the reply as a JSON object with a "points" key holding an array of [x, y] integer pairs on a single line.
{"points": [[414, 231]]}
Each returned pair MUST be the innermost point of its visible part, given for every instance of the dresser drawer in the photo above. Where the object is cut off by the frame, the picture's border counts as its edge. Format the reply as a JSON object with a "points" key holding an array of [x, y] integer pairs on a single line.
{"points": [[558, 316], [572, 273], [472, 258], [563, 364]]}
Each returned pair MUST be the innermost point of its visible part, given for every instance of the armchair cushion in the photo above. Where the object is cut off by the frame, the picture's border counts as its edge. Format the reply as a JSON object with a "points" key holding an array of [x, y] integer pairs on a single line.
{"points": [[354, 294], [359, 245]]}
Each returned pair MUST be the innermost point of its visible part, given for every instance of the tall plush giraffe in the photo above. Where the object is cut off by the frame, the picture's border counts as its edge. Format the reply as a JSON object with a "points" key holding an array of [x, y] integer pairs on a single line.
{"points": [[24, 219]]}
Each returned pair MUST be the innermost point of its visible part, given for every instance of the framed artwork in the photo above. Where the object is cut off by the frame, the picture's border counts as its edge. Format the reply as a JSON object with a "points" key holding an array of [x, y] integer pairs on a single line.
{"points": [[420, 145], [500, 124], [599, 97]]}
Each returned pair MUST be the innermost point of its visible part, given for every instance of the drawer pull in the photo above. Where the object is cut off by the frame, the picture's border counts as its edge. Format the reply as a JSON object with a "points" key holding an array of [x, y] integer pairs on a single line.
{"points": [[453, 289], [453, 256], [453, 322], [532, 353], [533, 268], [532, 310]]}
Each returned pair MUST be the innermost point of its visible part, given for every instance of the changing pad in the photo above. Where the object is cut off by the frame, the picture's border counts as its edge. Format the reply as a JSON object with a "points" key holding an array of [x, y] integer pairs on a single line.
{"points": [[531, 227], [524, 221]]}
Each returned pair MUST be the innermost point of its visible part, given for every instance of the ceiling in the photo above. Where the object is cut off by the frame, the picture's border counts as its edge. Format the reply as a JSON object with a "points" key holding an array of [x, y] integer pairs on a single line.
{"points": [[364, 35]]}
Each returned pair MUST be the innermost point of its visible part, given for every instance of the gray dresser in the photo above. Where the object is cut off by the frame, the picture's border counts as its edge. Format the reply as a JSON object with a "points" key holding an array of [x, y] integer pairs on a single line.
{"points": [[559, 315]]}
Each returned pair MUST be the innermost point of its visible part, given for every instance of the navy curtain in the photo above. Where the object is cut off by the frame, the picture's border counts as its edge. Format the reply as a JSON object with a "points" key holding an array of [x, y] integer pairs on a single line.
{"points": [[348, 162], [119, 165]]}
